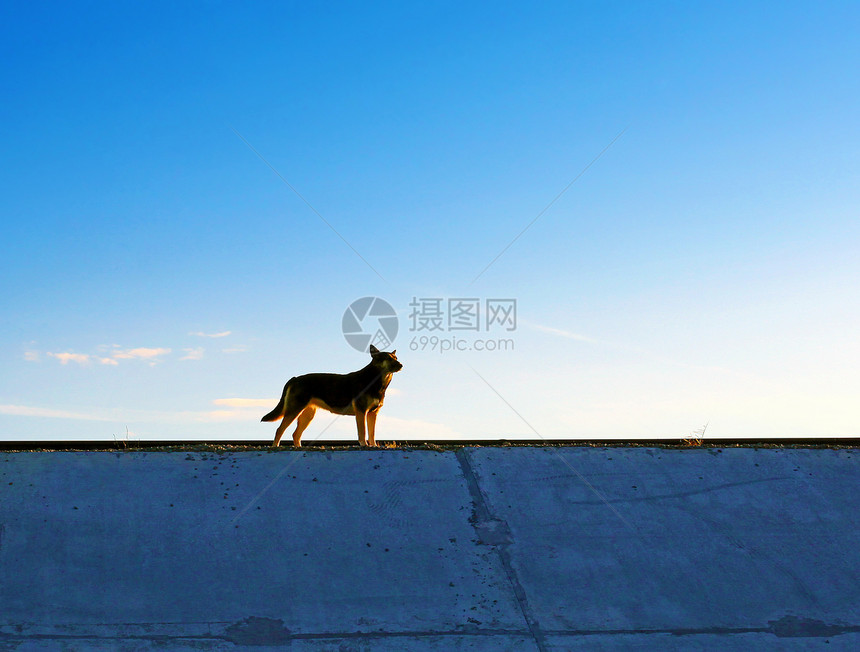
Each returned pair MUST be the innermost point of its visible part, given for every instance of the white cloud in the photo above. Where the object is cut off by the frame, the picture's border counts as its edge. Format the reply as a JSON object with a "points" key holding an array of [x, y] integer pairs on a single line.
{"points": [[201, 334], [141, 353], [236, 349], [193, 354], [114, 355], [65, 358], [32, 356]]}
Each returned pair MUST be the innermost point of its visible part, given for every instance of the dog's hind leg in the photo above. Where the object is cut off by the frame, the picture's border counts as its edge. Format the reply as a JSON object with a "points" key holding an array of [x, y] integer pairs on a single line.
{"points": [[304, 419], [289, 417]]}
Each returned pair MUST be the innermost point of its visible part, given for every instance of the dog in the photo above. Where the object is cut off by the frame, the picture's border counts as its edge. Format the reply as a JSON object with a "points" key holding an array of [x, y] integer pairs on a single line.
{"points": [[359, 393]]}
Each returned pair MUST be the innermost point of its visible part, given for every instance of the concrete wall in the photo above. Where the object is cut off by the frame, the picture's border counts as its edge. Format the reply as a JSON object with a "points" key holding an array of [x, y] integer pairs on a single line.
{"points": [[473, 549]]}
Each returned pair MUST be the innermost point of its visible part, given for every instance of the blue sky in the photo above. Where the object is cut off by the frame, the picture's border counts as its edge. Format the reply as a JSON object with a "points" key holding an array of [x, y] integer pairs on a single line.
{"points": [[159, 278]]}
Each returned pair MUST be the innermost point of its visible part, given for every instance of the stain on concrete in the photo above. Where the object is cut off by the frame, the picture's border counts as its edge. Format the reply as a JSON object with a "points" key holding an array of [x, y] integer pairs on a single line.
{"points": [[258, 632], [492, 532], [794, 627]]}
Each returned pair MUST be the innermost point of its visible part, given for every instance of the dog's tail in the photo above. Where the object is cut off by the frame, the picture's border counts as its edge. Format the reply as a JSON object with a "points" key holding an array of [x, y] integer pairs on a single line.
{"points": [[281, 408]]}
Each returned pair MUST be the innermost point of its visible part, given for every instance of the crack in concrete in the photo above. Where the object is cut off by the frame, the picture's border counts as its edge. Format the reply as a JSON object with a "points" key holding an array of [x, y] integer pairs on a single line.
{"points": [[680, 494], [785, 627], [262, 635], [495, 532], [258, 631]]}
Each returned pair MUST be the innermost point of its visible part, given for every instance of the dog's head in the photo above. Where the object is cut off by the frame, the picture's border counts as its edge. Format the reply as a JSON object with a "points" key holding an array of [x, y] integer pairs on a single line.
{"points": [[385, 360]]}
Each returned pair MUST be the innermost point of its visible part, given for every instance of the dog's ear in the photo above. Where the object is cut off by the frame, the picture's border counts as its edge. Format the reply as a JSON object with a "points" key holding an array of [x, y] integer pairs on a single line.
{"points": [[394, 352], [373, 350]]}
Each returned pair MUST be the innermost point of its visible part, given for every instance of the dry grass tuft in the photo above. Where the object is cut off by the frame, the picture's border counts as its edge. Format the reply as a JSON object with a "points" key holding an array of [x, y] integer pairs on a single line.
{"points": [[697, 437]]}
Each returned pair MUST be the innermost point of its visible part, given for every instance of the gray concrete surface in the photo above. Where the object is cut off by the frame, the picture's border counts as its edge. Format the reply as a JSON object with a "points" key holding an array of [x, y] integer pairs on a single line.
{"points": [[474, 549]]}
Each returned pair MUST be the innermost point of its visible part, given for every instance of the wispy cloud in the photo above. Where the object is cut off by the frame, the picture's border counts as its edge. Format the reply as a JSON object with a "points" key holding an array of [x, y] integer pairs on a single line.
{"points": [[237, 409], [133, 415], [631, 348], [388, 428], [32, 356], [66, 358], [563, 333], [242, 348], [202, 334], [243, 402], [193, 354], [28, 411], [218, 416], [396, 428]]}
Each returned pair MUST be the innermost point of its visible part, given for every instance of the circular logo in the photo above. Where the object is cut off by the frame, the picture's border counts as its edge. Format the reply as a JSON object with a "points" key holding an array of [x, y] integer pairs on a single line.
{"points": [[369, 320]]}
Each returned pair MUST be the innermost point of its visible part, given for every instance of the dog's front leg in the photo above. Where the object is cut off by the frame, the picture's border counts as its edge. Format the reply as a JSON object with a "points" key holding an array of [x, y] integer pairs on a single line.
{"points": [[371, 426], [359, 422]]}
